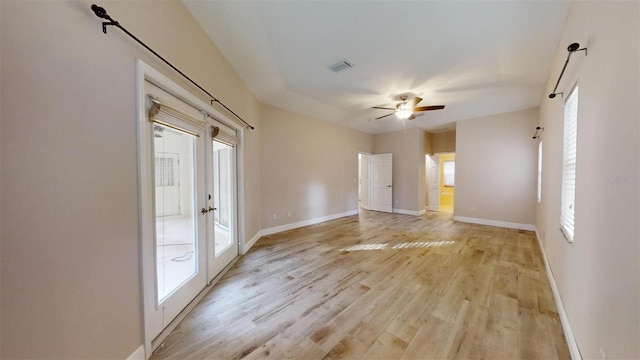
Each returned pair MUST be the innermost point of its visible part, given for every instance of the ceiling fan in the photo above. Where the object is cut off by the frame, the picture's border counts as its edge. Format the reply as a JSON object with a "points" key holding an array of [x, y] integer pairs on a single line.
{"points": [[406, 108]]}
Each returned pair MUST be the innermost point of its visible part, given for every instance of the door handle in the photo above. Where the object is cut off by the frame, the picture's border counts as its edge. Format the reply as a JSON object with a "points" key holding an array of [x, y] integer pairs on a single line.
{"points": [[388, 185], [212, 209], [203, 211]]}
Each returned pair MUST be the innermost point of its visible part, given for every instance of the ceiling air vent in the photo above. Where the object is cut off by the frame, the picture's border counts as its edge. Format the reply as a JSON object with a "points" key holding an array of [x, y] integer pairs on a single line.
{"points": [[342, 65]]}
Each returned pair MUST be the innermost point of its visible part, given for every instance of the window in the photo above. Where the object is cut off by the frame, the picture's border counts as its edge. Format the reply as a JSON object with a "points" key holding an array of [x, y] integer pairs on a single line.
{"points": [[569, 144], [449, 173], [539, 195], [164, 171]]}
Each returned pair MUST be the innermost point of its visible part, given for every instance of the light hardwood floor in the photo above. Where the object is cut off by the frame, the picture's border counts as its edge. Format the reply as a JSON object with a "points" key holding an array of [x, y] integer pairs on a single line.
{"points": [[380, 286]]}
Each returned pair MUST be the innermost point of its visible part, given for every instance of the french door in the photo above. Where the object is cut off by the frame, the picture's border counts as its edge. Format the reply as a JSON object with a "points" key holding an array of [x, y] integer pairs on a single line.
{"points": [[188, 201], [222, 196], [180, 251]]}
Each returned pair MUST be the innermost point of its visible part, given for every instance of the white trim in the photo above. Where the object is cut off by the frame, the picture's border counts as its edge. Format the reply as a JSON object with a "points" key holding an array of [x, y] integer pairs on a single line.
{"points": [[251, 242], [504, 224], [145, 72], [299, 224], [564, 319], [409, 212], [138, 354]]}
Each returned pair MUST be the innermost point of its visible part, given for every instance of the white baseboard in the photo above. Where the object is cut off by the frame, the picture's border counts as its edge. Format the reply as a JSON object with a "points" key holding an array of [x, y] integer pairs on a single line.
{"points": [[503, 224], [409, 212], [246, 246], [564, 319], [138, 354], [281, 228]]}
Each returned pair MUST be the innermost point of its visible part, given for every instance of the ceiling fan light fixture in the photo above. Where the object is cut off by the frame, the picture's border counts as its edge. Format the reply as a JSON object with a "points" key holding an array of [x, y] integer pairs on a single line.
{"points": [[403, 114]]}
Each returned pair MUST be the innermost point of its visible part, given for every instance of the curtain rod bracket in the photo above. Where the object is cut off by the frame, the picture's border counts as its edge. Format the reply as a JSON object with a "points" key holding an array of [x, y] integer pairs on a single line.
{"points": [[102, 13], [105, 24], [538, 129]]}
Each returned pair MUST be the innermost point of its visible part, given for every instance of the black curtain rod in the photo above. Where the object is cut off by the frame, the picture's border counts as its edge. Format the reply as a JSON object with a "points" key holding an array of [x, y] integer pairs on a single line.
{"points": [[102, 13], [571, 49]]}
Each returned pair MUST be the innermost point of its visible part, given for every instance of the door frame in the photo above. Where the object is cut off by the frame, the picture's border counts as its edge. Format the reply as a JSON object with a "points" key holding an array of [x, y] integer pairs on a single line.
{"points": [[145, 72], [363, 187]]}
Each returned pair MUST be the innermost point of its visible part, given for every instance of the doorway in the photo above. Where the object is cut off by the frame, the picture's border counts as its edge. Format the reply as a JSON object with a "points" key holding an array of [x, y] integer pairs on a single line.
{"points": [[375, 184], [441, 182], [363, 181], [447, 168]]}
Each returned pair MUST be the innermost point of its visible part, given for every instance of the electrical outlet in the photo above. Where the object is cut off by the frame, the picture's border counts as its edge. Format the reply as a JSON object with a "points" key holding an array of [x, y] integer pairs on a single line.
{"points": [[288, 213], [274, 216], [473, 209]]}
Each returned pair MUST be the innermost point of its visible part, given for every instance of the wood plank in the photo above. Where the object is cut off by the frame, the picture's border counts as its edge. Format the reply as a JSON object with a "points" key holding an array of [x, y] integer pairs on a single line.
{"points": [[427, 287]]}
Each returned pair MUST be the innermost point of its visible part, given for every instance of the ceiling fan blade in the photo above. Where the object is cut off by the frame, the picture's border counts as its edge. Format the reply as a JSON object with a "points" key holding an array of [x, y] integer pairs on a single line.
{"points": [[412, 117], [413, 102], [383, 116], [382, 108], [429, 108]]}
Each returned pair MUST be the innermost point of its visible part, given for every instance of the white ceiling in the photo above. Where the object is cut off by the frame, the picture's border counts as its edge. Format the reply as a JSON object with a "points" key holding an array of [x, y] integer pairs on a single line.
{"points": [[476, 57]]}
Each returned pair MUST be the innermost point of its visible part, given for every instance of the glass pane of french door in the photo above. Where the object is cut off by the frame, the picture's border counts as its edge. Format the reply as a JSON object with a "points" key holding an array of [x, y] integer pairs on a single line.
{"points": [[175, 194], [223, 189]]}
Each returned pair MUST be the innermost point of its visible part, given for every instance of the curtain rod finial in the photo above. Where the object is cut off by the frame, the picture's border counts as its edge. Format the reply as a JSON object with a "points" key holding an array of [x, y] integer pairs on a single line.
{"points": [[99, 11]]}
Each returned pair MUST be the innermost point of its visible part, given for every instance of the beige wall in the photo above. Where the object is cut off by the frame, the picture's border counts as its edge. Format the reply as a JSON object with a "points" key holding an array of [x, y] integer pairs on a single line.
{"points": [[309, 167], [444, 142], [409, 148], [496, 162], [598, 275], [70, 260]]}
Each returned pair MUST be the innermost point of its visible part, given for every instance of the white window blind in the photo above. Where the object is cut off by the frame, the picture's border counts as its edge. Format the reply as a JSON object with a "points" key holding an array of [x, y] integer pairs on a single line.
{"points": [[226, 134], [539, 194], [568, 197]]}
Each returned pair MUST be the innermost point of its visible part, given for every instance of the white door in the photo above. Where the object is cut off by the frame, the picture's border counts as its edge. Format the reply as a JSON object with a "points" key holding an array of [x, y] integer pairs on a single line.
{"points": [[434, 182], [174, 243], [222, 199], [363, 181], [189, 231], [381, 180], [177, 243]]}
